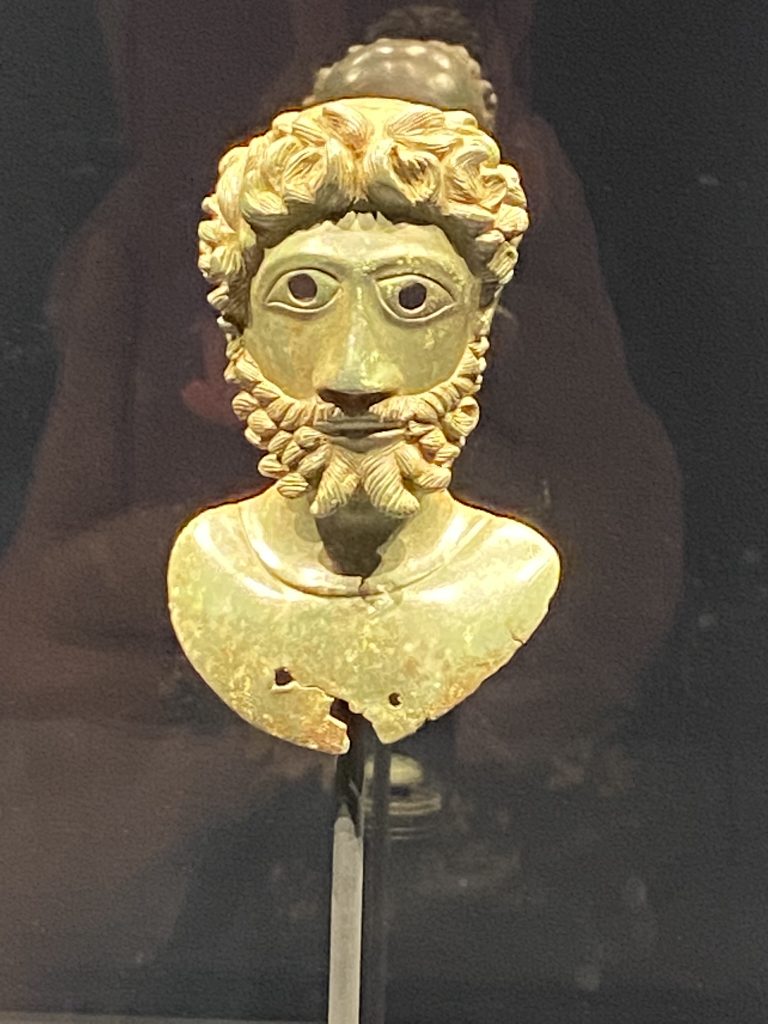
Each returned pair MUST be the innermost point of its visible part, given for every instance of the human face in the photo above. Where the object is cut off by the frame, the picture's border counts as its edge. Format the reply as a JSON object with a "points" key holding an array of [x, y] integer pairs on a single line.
{"points": [[361, 361], [361, 310]]}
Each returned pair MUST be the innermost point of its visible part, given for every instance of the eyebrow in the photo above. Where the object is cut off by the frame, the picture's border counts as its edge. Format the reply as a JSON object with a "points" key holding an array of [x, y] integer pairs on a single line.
{"points": [[388, 265], [427, 264]]}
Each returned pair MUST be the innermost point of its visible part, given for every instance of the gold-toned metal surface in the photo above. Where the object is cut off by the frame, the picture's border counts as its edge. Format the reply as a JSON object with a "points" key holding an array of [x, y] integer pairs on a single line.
{"points": [[357, 251]]}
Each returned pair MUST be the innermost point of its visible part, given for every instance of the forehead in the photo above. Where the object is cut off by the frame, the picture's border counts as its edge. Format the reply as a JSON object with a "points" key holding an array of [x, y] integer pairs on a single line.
{"points": [[361, 242]]}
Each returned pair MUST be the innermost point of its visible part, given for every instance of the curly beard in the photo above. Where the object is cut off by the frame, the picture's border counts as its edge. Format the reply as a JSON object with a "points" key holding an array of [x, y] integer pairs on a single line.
{"points": [[433, 426]]}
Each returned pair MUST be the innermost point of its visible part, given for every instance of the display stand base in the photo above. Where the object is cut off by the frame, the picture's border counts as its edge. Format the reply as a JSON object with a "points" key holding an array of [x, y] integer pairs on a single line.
{"points": [[358, 948]]}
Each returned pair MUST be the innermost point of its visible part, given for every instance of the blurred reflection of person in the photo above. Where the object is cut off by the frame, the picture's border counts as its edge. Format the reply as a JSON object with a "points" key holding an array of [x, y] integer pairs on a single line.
{"points": [[103, 768], [109, 771]]}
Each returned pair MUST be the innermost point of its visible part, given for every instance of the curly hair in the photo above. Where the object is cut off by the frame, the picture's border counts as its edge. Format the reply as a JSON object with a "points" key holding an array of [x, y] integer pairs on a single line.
{"points": [[409, 161]]}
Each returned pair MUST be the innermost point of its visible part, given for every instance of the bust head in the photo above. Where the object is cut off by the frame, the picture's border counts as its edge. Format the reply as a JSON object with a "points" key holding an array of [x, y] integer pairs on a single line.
{"points": [[358, 250]]}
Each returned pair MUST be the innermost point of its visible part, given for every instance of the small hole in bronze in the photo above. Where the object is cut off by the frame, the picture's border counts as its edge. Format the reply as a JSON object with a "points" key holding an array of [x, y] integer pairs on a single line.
{"points": [[395, 700], [302, 287], [413, 296], [282, 677]]}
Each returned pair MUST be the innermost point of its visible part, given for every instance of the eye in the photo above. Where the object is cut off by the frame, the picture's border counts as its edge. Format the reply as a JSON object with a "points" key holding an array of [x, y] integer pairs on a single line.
{"points": [[414, 297], [303, 290]]}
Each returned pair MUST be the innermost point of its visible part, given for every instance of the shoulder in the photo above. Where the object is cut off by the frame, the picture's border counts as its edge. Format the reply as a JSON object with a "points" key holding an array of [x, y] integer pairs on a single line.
{"points": [[514, 537], [518, 566], [215, 536], [511, 537]]}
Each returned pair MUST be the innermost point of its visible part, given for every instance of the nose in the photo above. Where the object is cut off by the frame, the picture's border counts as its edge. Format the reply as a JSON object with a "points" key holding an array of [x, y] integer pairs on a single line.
{"points": [[352, 368], [353, 403]]}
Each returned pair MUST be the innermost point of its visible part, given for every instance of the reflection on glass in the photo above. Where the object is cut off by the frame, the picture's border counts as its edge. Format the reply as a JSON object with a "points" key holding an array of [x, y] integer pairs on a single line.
{"points": [[161, 857]]}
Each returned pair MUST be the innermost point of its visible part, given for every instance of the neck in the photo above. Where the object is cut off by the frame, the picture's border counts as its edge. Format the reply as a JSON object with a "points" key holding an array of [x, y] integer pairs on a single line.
{"points": [[357, 537], [356, 543]]}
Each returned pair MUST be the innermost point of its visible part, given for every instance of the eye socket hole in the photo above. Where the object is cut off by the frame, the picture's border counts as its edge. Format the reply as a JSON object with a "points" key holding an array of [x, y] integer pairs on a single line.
{"points": [[302, 287], [303, 290], [412, 296]]}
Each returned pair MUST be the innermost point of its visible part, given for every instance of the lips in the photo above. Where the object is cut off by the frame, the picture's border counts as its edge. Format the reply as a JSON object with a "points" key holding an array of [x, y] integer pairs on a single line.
{"points": [[359, 427]]}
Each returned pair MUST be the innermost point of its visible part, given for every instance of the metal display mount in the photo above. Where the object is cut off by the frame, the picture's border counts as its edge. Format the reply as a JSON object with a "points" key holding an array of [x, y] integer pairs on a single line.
{"points": [[358, 940]]}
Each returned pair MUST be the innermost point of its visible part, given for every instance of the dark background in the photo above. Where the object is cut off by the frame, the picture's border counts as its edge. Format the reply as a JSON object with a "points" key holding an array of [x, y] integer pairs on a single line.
{"points": [[662, 109]]}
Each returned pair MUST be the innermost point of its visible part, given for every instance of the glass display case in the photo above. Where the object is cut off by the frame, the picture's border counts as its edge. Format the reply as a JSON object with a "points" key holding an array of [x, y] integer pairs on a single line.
{"points": [[583, 837]]}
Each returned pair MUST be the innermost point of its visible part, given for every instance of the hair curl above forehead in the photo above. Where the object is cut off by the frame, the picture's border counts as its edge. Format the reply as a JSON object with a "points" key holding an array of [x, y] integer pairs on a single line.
{"points": [[409, 161]]}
